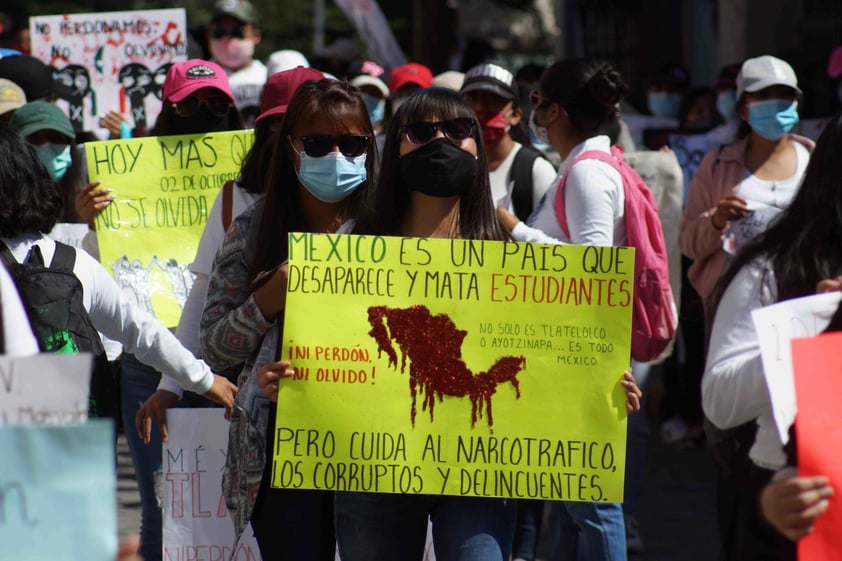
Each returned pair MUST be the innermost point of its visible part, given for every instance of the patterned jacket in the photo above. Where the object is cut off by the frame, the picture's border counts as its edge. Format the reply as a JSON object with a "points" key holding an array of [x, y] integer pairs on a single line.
{"points": [[234, 332]]}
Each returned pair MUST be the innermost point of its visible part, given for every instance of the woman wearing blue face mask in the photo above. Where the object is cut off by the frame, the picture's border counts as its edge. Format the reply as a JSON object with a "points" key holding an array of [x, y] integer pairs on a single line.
{"points": [[757, 175], [322, 165], [51, 133]]}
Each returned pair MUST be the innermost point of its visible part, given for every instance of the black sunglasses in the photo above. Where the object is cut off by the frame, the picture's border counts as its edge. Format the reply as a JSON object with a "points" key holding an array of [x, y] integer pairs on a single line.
{"points": [[351, 145], [218, 105], [235, 32], [453, 129]]}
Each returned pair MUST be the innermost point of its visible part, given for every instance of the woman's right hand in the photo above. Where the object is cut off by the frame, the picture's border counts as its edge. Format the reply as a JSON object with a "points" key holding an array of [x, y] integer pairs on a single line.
{"points": [[91, 200], [792, 505], [269, 375], [829, 285], [730, 207], [113, 122]]}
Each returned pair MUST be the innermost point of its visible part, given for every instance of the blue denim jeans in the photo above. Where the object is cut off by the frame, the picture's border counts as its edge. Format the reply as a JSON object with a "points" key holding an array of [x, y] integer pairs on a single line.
{"points": [[636, 436], [587, 531], [138, 383], [380, 526]]}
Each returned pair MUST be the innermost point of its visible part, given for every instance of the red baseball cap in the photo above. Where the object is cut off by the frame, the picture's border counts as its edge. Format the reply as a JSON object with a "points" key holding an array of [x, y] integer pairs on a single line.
{"points": [[411, 73], [280, 88], [184, 78]]}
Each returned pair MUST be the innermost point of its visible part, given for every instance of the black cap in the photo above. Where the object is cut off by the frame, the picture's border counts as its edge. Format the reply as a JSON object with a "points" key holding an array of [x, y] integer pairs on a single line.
{"points": [[33, 76], [490, 77]]}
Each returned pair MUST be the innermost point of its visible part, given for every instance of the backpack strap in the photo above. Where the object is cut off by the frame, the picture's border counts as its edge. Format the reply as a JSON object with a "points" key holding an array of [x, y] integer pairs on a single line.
{"points": [[610, 159], [521, 173], [227, 204], [64, 257]]}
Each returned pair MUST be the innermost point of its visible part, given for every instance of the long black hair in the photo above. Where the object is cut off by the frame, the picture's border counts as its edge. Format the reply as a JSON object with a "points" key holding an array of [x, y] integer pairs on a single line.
{"points": [[803, 245], [477, 218], [341, 103], [29, 201], [588, 89]]}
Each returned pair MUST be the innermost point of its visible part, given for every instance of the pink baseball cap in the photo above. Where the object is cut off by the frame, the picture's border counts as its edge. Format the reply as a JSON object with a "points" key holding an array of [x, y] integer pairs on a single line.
{"points": [[280, 88], [834, 65], [184, 78], [411, 73]]}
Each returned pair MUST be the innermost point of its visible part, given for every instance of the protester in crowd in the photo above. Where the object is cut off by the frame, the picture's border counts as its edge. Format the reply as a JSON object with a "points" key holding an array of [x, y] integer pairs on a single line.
{"points": [[320, 172], [374, 92], [232, 36], [234, 197], [406, 80], [723, 192], [340, 59], [196, 99], [666, 89], [726, 93], [788, 260], [285, 59], [51, 133], [519, 175], [29, 209], [33, 76], [11, 99], [575, 98], [697, 111]]}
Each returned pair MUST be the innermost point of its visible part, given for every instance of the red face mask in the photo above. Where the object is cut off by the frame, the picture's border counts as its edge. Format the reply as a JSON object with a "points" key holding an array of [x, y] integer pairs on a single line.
{"points": [[494, 126]]}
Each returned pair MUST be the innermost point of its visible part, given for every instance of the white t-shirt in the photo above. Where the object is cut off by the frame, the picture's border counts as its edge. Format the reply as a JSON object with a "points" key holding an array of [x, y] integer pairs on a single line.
{"points": [[594, 201], [247, 87], [776, 193], [502, 182], [17, 333], [113, 314]]}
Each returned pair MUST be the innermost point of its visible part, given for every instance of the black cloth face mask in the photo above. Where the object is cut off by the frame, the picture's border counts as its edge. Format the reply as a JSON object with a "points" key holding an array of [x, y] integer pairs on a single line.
{"points": [[439, 169]]}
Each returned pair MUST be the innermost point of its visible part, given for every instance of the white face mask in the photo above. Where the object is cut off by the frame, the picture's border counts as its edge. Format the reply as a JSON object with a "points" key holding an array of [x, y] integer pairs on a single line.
{"points": [[232, 53], [540, 133]]}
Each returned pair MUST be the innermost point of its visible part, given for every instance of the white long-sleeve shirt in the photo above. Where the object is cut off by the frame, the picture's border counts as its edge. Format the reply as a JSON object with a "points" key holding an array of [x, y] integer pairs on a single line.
{"points": [[734, 388], [17, 333], [114, 315]]}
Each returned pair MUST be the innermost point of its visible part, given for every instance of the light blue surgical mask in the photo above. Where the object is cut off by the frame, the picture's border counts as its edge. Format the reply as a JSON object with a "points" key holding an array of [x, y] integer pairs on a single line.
{"points": [[726, 104], [772, 118], [332, 177], [664, 104], [55, 157], [540, 135], [376, 107]]}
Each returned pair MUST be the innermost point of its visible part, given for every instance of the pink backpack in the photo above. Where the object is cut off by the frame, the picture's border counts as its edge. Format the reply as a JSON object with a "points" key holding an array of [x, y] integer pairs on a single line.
{"points": [[654, 317]]}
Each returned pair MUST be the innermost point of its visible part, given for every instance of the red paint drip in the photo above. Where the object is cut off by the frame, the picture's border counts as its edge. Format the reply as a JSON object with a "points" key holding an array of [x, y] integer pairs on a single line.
{"points": [[433, 345]]}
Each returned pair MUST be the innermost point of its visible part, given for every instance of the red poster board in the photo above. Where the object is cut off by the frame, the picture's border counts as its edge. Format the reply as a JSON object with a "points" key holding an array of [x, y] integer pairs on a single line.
{"points": [[817, 363]]}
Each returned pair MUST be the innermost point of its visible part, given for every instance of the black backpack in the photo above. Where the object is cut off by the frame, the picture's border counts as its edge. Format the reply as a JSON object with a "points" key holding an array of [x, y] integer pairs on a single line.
{"points": [[521, 174], [52, 298]]}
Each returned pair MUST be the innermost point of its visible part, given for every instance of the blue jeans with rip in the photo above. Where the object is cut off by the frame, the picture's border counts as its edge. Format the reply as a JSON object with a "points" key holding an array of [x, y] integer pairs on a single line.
{"points": [[381, 526]]}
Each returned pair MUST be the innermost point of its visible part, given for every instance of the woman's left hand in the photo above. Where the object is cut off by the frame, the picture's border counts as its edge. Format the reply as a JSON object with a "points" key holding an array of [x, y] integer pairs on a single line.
{"points": [[633, 393], [270, 374], [829, 285], [507, 219]]}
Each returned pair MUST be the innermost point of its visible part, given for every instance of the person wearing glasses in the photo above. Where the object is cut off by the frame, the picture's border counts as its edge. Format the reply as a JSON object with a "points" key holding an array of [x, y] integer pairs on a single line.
{"points": [[321, 168], [433, 182], [232, 36], [574, 100], [196, 100]]}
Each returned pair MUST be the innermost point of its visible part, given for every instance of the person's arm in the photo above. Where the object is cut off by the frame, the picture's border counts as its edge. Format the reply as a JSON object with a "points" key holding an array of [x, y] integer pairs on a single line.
{"points": [[698, 235], [592, 195], [17, 332], [733, 385], [232, 325]]}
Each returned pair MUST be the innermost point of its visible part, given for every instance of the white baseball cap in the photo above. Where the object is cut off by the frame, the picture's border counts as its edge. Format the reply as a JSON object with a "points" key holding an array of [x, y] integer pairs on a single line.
{"points": [[764, 71]]}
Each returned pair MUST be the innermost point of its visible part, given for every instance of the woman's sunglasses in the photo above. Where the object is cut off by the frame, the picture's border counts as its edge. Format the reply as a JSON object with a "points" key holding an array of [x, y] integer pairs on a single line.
{"points": [[218, 105], [453, 129], [351, 145], [234, 32]]}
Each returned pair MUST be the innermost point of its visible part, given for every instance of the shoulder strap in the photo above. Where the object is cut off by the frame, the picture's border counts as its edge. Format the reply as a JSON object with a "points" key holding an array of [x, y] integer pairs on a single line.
{"points": [[227, 204], [64, 257], [521, 173], [610, 159]]}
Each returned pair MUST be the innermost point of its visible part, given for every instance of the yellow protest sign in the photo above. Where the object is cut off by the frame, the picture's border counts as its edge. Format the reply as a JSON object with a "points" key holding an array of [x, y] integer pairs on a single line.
{"points": [[164, 187], [454, 367]]}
